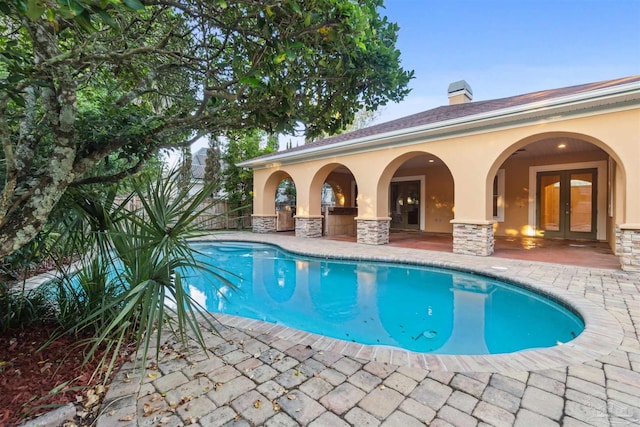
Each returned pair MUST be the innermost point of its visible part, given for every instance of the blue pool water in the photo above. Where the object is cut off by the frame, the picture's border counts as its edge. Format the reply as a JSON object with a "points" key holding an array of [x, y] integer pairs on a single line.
{"points": [[416, 308]]}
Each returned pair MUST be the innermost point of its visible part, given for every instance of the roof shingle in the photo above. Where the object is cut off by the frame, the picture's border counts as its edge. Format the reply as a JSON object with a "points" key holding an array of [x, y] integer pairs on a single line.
{"points": [[449, 112]]}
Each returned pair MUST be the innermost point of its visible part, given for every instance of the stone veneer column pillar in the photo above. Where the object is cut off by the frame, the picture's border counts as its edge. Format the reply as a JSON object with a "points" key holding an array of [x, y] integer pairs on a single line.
{"points": [[308, 226], [263, 223], [628, 246], [373, 231], [618, 248], [473, 238]]}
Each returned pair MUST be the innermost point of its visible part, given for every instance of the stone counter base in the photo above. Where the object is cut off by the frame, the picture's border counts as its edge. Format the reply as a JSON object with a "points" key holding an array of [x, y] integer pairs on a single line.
{"points": [[308, 226]]}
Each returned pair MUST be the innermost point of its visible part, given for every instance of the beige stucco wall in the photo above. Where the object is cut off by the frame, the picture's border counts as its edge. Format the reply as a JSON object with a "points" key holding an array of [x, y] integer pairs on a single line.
{"points": [[341, 184], [439, 200], [472, 159]]}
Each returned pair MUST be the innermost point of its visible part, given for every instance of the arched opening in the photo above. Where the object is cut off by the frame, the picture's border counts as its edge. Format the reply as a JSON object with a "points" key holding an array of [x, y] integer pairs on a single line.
{"points": [[556, 186], [328, 198], [280, 198], [418, 188], [334, 193], [285, 198]]}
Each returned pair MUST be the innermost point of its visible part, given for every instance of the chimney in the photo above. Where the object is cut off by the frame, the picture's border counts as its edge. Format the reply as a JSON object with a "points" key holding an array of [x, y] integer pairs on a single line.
{"points": [[459, 93]]}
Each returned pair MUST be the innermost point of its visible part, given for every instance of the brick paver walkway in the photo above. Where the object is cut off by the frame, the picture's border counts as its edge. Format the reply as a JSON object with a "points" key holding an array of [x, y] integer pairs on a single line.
{"points": [[254, 375]]}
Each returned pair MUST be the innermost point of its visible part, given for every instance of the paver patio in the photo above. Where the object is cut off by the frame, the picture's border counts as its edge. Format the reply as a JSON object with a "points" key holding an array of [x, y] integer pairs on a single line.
{"points": [[261, 374]]}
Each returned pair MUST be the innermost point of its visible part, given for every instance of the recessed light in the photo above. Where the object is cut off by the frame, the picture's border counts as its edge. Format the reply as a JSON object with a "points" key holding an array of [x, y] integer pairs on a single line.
{"points": [[562, 145], [431, 160]]}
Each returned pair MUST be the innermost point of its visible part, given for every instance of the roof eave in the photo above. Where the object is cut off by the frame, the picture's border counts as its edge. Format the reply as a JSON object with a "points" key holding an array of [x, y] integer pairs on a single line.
{"points": [[565, 104]]}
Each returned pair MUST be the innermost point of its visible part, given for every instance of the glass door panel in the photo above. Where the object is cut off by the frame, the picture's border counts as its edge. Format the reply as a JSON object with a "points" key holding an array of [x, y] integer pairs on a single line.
{"points": [[413, 204], [550, 202], [405, 204], [567, 204], [397, 200], [581, 219]]}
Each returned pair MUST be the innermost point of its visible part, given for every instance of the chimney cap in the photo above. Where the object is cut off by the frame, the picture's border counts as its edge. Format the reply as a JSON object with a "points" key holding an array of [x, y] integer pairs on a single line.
{"points": [[459, 86]]}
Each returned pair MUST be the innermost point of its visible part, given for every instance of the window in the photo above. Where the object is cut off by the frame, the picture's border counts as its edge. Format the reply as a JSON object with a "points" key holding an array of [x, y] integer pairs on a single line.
{"points": [[498, 196]]}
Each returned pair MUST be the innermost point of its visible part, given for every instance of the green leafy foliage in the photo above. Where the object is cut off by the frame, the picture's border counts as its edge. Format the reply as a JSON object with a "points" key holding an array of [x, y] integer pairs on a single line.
{"points": [[82, 81], [213, 165], [21, 309], [28, 258], [129, 284], [238, 182]]}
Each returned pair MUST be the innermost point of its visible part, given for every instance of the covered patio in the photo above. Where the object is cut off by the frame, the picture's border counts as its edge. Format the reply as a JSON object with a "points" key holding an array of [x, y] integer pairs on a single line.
{"points": [[559, 251], [503, 176]]}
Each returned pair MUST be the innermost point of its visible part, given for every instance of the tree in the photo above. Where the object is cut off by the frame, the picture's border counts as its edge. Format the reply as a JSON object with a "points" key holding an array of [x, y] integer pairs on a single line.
{"points": [[362, 118], [213, 169], [238, 182], [186, 163], [81, 80]]}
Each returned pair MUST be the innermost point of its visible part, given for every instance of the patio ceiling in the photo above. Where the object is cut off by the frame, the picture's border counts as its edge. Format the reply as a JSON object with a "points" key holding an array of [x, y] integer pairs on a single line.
{"points": [[549, 146]]}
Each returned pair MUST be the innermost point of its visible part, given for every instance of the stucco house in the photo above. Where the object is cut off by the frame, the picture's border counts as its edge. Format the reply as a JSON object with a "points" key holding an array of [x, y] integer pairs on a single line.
{"points": [[560, 163]]}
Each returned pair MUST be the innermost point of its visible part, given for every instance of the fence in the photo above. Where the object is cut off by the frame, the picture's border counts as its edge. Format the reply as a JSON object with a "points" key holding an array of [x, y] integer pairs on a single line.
{"points": [[216, 217], [219, 217]]}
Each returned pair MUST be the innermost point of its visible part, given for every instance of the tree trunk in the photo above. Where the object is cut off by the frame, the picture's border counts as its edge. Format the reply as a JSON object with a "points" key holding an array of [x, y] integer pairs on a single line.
{"points": [[27, 205]]}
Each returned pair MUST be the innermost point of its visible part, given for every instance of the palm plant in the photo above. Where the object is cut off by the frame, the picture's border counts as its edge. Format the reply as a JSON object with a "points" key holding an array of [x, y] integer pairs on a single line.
{"points": [[130, 281], [85, 284]]}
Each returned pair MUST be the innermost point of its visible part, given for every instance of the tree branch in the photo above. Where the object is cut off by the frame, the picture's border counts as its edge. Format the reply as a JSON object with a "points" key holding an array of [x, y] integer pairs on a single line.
{"points": [[114, 177]]}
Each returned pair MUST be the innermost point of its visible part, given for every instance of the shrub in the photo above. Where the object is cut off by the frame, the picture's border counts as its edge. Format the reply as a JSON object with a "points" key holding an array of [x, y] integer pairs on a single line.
{"points": [[128, 284], [22, 309]]}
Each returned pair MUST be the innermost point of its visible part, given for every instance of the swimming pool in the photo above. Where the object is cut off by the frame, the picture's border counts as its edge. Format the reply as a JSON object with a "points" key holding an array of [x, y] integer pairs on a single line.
{"points": [[416, 308]]}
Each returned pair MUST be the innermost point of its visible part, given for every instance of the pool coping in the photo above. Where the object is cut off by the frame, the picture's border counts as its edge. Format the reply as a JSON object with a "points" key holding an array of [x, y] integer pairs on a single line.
{"points": [[601, 336]]}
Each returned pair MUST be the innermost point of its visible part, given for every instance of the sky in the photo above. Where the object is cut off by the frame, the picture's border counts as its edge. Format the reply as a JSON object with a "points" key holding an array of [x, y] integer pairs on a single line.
{"points": [[510, 47], [507, 47]]}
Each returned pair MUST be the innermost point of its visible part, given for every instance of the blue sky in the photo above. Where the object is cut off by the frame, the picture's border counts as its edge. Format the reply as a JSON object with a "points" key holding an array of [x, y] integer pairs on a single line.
{"points": [[507, 47], [510, 47]]}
